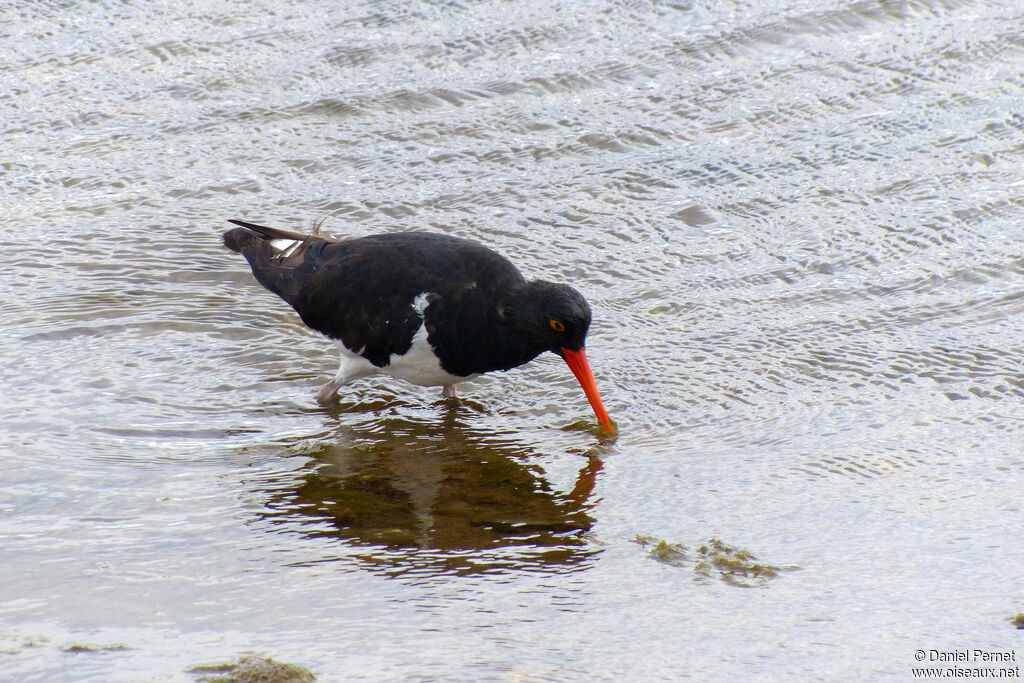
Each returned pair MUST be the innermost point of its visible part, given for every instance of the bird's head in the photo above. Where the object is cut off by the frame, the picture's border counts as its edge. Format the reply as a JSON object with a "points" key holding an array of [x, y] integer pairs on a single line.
{"points": [[553, 316], [556, 318]]}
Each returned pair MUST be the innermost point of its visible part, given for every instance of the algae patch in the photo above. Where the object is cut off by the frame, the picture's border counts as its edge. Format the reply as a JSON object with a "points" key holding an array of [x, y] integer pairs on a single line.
{"points": [[253, 669], [711, 560], [673, 554], [78, 648]]}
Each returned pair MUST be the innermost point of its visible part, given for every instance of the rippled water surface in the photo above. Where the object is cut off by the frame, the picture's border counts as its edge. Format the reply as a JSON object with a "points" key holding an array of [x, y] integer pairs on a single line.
{"points": [[799, 225]]}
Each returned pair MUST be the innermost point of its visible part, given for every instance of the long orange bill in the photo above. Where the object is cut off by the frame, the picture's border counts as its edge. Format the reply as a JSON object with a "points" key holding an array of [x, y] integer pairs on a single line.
{"points": [[577, 362]]}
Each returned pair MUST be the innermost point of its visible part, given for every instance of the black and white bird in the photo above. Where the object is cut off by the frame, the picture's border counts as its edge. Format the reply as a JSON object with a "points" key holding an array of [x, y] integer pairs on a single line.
{"points": [[429, 308]]}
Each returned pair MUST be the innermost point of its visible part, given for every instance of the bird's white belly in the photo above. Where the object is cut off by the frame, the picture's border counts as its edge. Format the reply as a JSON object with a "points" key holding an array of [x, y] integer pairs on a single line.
{"points": [[419, 365]]}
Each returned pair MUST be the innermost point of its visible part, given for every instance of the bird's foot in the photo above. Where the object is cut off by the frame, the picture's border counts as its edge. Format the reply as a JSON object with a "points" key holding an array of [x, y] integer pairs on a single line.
{"points": [[328, 393], [448, 391]]}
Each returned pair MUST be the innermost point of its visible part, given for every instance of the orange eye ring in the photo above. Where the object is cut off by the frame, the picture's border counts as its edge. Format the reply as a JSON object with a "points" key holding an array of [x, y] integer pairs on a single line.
{"points": [[557, 325]]}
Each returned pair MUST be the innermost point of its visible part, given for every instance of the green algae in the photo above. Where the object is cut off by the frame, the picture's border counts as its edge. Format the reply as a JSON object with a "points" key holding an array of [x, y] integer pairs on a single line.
{"points": [[732, 565], [712, 560], [253, 669], [78, 648]]}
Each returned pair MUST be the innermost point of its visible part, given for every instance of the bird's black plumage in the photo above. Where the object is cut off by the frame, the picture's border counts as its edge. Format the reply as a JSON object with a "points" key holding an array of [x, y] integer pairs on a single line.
{"points": [[481, 313]]}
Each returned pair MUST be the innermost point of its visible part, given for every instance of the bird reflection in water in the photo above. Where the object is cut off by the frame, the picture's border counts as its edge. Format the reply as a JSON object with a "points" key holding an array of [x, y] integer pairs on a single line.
{"points": [[428, 497]]}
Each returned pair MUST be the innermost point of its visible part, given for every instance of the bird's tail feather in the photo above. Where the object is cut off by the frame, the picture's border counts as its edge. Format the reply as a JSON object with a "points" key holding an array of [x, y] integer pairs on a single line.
{"points": [[281, 234], [273, 253]]}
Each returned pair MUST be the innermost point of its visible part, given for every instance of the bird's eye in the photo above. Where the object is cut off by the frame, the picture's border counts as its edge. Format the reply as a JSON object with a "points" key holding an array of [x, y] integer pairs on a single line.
{"points": [[557, 325]]}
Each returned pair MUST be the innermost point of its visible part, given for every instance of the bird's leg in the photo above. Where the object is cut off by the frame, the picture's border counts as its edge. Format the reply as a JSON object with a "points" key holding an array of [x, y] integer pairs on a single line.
{"points": [[448, 391], [352, 366]]}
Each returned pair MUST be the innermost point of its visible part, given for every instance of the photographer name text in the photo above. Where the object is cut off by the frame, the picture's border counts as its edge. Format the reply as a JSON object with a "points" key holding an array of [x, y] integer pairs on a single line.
{"points": [[966, 655]]}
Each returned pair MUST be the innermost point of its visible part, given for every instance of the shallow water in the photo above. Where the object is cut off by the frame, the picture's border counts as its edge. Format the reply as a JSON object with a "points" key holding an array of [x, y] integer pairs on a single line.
{"points": [[798, 225]]}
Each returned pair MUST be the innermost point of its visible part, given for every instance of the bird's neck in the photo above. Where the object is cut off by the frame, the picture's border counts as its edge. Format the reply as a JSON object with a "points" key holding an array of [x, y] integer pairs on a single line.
{"points": [[515, 343]]}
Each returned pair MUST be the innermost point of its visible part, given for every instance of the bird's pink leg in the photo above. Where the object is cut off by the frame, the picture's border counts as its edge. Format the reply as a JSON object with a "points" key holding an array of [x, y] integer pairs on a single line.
{"points": [[352, 366], [448, 391]]}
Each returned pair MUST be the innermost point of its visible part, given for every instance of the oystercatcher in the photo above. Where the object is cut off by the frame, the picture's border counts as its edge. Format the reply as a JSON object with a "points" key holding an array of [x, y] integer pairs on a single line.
{"points": [[429, 308]]}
